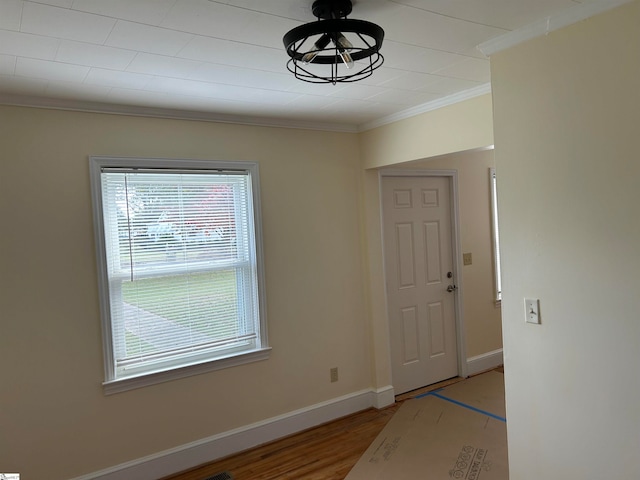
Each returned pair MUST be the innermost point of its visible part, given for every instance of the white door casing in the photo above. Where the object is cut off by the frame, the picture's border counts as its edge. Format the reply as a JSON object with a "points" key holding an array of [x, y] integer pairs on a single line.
{"points": [[419, 254]]}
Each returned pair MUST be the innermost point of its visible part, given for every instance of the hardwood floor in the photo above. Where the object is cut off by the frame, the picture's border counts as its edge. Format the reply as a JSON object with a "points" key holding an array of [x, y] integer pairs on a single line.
{"points": [[326, 452]]}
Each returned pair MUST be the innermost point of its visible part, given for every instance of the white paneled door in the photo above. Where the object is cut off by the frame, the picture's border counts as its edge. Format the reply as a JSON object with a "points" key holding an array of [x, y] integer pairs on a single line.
{"points": [[418, 250]]}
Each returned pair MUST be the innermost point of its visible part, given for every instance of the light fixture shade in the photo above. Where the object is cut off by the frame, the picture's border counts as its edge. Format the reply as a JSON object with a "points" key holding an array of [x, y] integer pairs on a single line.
{"points": [[334, 50]]}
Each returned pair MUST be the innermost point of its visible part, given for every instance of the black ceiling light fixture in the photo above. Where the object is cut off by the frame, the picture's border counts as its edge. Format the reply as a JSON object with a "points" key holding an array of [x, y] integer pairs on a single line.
{"points": [[334, 49]]}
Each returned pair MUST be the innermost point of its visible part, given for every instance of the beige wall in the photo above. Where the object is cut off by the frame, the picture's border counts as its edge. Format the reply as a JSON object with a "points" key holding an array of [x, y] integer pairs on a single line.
{"points": [[55, 421], [456, 128], [567, 117]]}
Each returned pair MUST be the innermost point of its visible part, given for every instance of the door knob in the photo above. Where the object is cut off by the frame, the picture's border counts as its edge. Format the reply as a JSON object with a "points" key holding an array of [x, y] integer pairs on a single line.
{"points": [[451, 288]]}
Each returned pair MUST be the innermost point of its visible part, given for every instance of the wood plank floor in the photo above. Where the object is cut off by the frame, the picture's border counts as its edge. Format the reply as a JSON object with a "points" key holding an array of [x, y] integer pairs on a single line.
{"points": [[326, 452]]}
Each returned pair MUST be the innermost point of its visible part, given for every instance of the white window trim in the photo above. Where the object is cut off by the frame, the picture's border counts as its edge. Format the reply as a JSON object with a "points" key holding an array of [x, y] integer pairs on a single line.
{"points": [[497, 274], [112, 384]]}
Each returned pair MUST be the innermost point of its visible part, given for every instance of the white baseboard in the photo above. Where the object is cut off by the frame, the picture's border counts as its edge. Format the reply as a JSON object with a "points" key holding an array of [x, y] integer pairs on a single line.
{"points": [[196, 453], [383, 397], [484, 362]]}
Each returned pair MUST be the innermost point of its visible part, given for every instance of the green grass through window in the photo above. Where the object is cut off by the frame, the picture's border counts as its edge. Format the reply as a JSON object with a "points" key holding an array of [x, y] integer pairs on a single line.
{"points": [[204, 302]]}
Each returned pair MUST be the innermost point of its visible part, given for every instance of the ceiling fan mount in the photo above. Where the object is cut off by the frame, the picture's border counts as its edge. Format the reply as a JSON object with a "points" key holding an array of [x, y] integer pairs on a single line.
{"points": [[328, 9]]}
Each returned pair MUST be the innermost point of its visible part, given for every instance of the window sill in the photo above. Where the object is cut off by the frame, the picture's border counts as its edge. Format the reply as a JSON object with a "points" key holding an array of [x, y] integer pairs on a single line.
{"points": [[122, 385]]}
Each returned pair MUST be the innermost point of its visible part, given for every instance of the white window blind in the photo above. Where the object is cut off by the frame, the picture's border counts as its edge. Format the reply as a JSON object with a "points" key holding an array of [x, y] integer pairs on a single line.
{"points": [[181, 267]]}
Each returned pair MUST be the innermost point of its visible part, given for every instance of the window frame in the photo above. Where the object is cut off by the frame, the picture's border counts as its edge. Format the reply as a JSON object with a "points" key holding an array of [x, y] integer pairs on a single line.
{"points": [[495, 238], [114, 384]]}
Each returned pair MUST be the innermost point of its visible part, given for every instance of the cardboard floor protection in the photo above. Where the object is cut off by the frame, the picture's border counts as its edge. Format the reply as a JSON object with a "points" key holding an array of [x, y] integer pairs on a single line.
{"points": [[458, 432]]}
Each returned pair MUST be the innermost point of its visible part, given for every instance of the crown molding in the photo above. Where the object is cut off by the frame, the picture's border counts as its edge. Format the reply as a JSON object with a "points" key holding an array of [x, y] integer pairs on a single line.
{"points": [[153, 112], [548, 24], [166, 113], [427, 107]]}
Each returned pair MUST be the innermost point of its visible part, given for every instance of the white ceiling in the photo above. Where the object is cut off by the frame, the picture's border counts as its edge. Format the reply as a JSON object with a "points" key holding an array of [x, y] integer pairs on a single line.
{"points": [[225, 59]]}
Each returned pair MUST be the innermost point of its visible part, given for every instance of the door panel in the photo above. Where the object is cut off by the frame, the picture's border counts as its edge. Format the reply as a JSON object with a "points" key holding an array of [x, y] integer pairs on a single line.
{"points": [[435, 315], [410, 332], [418, 255], [432, 246], [406, 257]]}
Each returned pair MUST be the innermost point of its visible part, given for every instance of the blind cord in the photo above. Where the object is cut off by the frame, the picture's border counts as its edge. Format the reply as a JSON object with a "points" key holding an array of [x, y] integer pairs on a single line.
{"points": [[126, 194]]}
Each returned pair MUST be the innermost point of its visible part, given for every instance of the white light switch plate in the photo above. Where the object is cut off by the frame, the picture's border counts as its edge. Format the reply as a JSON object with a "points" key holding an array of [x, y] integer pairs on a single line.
{"points": [[532, 310]]}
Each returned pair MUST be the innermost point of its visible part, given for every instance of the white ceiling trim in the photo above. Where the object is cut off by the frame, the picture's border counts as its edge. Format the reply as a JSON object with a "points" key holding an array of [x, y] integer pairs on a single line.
{"points": [[137, 111], [154, 112], [549, 24], [427, 107]]}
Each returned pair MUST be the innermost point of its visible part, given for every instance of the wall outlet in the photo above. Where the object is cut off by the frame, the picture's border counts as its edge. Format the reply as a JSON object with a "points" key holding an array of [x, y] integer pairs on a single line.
{"points": [[467, 259], [333, 373]]}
